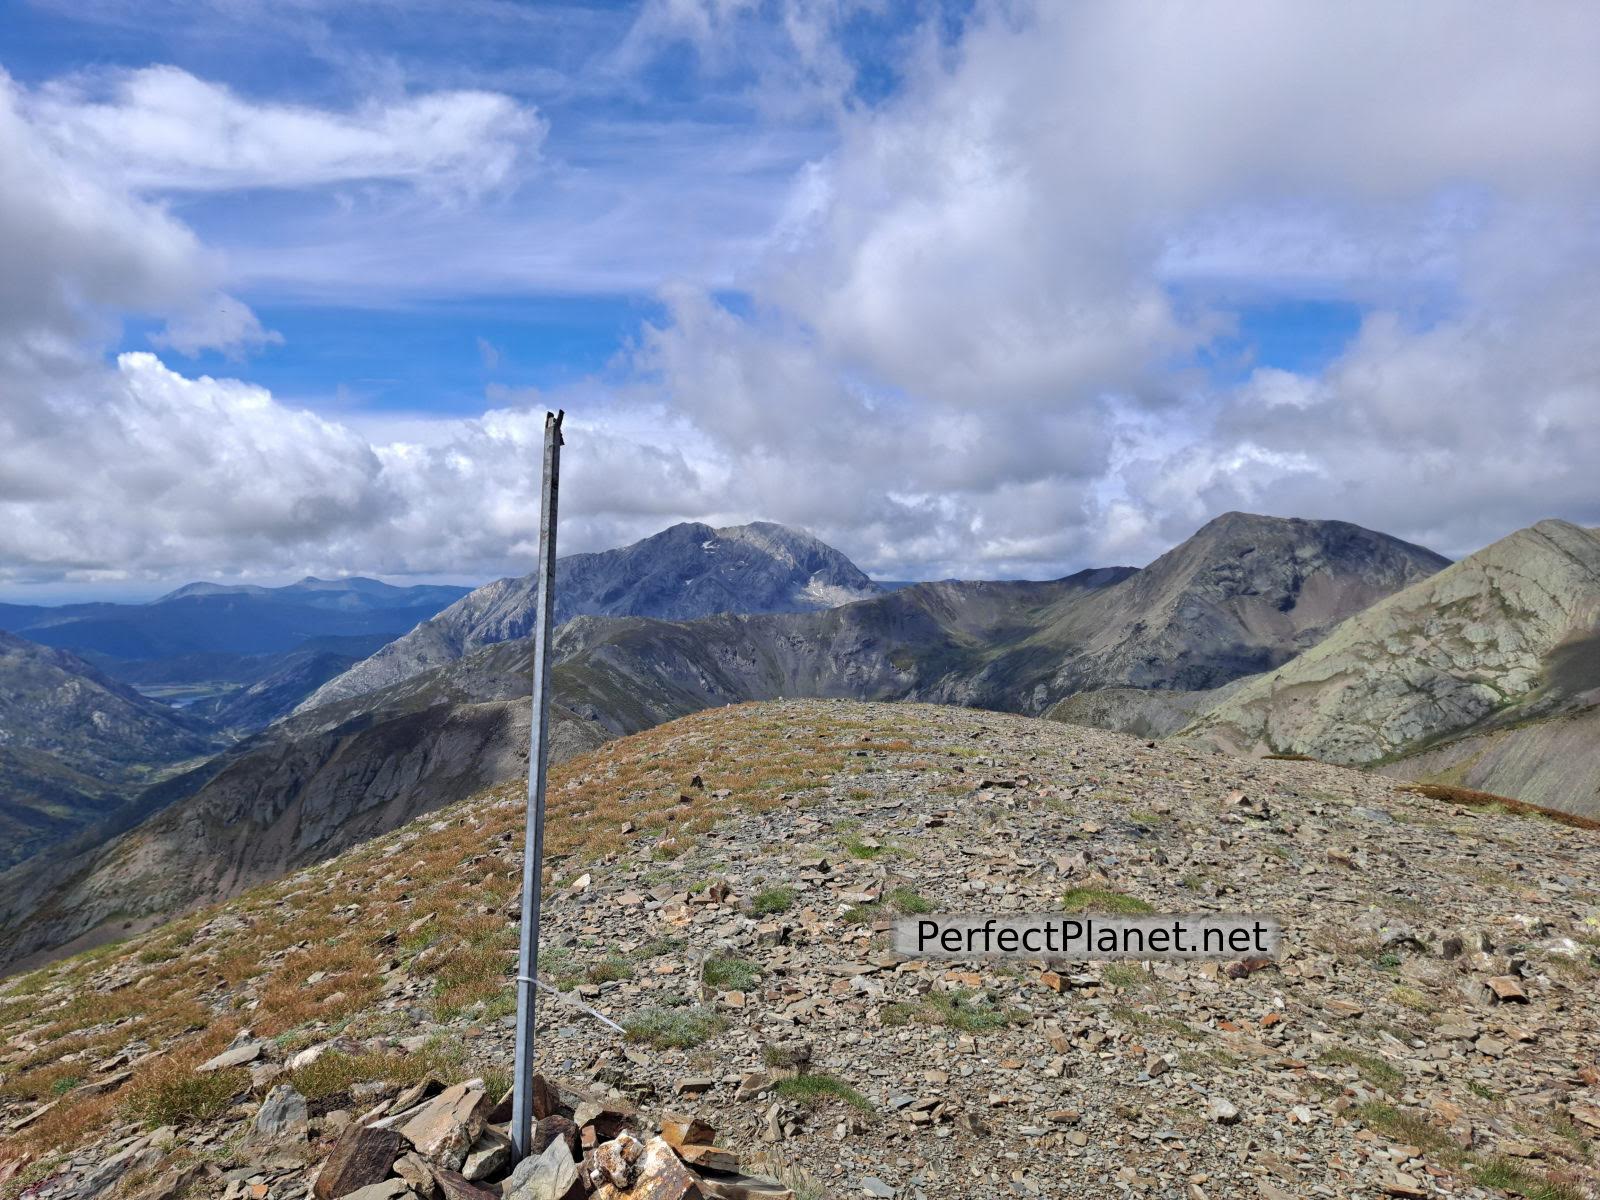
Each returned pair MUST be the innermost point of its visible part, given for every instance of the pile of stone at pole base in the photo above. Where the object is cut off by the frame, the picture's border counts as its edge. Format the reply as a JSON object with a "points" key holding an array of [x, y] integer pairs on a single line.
{"points": [[452, 1144]]}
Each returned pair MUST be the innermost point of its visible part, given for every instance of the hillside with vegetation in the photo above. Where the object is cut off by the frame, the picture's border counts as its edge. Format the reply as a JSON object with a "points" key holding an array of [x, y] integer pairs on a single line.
{"points": [[76, 746]]}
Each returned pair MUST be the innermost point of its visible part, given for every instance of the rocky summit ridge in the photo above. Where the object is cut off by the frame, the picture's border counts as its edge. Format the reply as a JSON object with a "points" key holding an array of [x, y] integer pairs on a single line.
{"points": [[720, 887], [1243, 594]]}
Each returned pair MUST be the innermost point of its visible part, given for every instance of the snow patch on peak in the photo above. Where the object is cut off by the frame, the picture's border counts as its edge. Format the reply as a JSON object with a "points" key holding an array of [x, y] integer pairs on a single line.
{"points": [[831, 595]]}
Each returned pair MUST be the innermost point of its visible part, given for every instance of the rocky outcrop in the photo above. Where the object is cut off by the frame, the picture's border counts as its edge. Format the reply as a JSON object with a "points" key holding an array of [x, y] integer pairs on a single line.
{"points": [[690, 570], [1502, 637]]}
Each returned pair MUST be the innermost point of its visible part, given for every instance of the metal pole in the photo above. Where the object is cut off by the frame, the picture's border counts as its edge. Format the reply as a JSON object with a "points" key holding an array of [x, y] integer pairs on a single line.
{"points": [[533, 842]]}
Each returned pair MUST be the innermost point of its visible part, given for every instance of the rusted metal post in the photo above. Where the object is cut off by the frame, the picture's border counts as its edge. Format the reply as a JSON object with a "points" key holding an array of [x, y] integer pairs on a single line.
{"points": [[533, 842]]}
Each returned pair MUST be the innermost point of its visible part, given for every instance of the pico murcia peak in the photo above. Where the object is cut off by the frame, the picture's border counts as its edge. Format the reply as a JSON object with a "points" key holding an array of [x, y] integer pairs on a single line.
{"points": [[686, 571]]}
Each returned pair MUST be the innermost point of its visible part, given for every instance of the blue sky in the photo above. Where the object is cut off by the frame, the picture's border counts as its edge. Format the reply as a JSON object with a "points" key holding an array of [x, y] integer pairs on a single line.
{"points": [[975, 288], [422, 351], [346, 345]]}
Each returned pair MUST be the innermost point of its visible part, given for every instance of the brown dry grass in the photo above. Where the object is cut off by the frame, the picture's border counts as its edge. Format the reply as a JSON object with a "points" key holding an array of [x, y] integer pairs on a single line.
{"points": [[1471, 799]]}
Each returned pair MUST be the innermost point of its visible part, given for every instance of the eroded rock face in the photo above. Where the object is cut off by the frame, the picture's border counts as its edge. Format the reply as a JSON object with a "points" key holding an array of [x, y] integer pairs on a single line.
{"points": [[1143, 712], [1549, 762], [1470, 646]]}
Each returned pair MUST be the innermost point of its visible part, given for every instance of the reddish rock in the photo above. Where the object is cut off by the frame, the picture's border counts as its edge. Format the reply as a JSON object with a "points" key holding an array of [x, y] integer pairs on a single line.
{"points": [[1507, 989], [456, 1186], [548, 1129], [360, 1158], [546, 1099]]}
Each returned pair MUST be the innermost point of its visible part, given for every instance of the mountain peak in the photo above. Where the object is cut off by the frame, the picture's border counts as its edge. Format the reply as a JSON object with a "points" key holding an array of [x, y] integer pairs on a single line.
{"points": [[685, 571]]}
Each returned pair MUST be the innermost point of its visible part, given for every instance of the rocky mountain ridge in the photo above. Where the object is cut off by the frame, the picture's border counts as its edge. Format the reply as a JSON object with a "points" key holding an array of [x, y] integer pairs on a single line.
{"points": [[213, 619], [721, 887], [350, 593], [1244, 593], [985, 644], [211, 644]]}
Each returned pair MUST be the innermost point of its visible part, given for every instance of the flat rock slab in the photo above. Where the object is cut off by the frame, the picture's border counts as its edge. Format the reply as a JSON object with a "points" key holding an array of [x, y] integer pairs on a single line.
{"points": [[444, 1129], [455, 1186], [387, 1189], [549, 1176], [283, 1114], [234, 1056], [1507, 989], [729, 1185]]}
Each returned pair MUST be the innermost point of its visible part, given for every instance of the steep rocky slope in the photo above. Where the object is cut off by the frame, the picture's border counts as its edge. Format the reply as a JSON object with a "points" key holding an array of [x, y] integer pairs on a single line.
{"points": [[74, 745], [1242, 595], [1504, 638], [295, 794], [1553, 761], [689, 570], [1431, 1028], [1143, 712]]}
